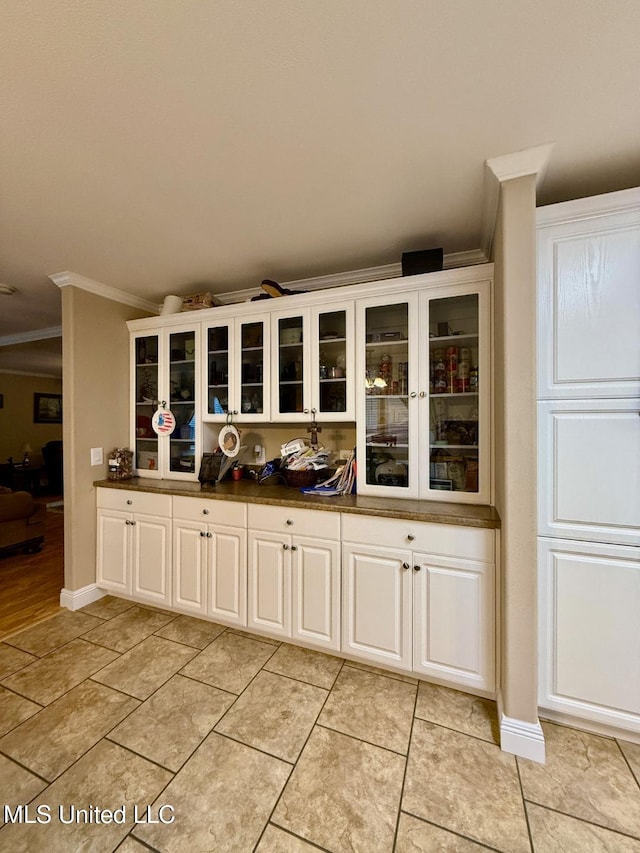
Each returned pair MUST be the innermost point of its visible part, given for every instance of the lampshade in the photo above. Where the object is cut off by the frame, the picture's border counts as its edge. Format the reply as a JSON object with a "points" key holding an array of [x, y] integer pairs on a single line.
{"points": [[26, 448]]}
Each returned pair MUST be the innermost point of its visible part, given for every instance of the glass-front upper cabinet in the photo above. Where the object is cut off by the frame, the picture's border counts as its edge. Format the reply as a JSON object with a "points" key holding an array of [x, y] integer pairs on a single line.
{"points": [[313, 364], [236, 379], [182, 401], [145, 389], [387, 407], [455, 367]]}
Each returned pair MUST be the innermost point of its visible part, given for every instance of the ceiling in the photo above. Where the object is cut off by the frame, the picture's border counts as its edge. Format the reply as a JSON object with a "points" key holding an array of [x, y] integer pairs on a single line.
{"points": [[168, 147]]}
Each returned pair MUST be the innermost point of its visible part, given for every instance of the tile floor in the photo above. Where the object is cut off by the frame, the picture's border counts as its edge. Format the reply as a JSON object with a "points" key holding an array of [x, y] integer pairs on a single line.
{"points": [[258, 745]]}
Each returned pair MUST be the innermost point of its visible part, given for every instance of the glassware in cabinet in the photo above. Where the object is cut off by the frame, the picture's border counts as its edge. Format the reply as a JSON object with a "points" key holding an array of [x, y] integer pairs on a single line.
{"points": [[146, 378], [182, 401], [217, 367], [332, 333], [252, 355], [290, 365]]}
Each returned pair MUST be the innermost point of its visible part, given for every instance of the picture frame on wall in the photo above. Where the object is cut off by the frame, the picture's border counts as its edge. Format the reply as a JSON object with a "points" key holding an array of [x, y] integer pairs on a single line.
{"points": [[47, 408]]}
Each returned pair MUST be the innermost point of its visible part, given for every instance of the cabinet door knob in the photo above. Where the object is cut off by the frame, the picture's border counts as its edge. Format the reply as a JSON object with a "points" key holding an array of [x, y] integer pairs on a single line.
{"points": [[410, 537], [285, 547], [413, 394], [294, 547], [202, 533], [205, 512], [306, 411], [132, 523], [417, 568], [209, 535], [127, 521], [423, 393], [289, 521], [406, 566], [129, 503]]}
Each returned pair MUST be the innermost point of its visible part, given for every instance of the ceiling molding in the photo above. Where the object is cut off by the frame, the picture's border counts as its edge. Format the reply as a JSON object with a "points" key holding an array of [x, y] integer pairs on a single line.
{"points": [[344, 279], [497, 170], [72, 279], [32, 373], [33, 335]]}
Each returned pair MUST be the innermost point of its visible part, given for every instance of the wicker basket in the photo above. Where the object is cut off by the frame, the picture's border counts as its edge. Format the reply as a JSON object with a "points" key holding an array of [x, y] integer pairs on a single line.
{"points": [[300, 479]]}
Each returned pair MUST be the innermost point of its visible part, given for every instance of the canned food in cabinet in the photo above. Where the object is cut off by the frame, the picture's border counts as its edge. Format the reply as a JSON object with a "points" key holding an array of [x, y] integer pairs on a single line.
{"points": [[465, 354], [440, 385], [463, 370]]}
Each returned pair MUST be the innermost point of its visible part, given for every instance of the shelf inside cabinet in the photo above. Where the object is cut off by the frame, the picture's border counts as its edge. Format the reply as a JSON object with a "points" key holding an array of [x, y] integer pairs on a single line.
{"points": [[452, 339], [455, 394]]}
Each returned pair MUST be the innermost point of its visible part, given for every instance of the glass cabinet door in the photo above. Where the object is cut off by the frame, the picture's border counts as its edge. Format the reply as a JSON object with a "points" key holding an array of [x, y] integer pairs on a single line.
{"points": [[331, 370], [454, 401], [218, 343], [290, 366], [146, 397], [182, 401], [387, 395], [252, 342]]}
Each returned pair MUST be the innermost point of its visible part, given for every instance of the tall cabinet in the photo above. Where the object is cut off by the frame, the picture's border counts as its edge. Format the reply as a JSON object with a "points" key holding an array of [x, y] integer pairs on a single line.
{"points": [[589, 458]]}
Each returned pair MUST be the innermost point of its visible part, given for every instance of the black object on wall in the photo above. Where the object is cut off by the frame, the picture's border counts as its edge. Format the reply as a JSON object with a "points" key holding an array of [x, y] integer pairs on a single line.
{"points": [[427, 260]]}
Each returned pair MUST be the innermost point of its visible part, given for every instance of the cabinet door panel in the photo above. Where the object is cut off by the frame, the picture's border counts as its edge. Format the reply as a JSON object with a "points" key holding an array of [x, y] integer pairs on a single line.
{"points": [[113, 552], [151, 562], [316, 592], [269, 586], [227, 576], [189, 566], [376, 621], [453, 620], [590, 632], [589, 470]]}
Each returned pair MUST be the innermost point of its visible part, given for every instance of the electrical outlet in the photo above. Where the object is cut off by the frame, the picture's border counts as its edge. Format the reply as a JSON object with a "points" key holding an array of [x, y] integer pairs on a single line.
{"points": [[260, 457], [96, 456]]}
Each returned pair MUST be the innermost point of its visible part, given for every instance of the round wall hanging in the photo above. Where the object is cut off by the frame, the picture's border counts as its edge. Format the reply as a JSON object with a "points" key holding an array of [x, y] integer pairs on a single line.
{"points": [[229, 440], [163, 421]]}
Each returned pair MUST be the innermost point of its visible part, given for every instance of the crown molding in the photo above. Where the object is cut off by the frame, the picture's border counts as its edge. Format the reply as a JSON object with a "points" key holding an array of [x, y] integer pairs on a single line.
{"points": [[33, 335], [72, 279], [497, 170], [31, 373], [344, 279]]}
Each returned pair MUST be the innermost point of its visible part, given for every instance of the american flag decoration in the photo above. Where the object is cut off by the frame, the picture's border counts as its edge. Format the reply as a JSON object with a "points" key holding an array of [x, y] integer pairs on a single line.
{"points": [[163, 421]]}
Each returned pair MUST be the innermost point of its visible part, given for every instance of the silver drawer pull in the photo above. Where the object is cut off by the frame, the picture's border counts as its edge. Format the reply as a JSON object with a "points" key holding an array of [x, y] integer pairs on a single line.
{"points": [[410, 537], [205, 512], [129, 503], [289, 521]]}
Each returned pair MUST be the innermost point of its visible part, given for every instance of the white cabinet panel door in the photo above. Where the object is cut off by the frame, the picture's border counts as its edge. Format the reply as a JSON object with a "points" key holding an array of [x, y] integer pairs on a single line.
{"points": [[315, 587], [590, 631], [227, 575], [453, 620], [189, 549], [269, 583], [589, 470], [113, 552], [376, 596], [151, 559], [589, 298]]}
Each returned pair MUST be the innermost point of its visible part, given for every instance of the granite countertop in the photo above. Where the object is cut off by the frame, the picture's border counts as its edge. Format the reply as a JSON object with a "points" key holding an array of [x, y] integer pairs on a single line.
{"points": [[248, 491]]}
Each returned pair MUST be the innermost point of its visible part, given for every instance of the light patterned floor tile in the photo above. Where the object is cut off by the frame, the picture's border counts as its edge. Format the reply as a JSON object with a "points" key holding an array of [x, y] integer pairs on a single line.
{"points": [[552, 832], [50, 677], [376, 670], [276, 840], [631, 752], [418, 836], [17, 786], [108, 777], [12, 660], [586, 776], [274, 714], [53, 633], [343, 794], [313, 667], [55, 737], [14, 710], [169, 726], [107, 607], [140, 671], [467, 786], [126, 630], [229, 662], [371, 707], [460, 711], [191, 631], [222, 797]]}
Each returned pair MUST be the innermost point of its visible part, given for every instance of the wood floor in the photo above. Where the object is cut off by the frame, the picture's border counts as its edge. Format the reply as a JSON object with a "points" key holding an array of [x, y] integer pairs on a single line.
{"points": [[30, 584]]}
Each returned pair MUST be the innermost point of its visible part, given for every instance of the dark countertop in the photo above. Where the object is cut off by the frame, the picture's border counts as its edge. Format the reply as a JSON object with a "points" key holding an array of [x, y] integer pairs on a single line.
{"points": [[248, 491]]}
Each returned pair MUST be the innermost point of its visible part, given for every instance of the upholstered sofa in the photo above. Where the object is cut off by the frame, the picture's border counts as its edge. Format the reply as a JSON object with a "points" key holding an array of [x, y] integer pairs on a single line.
{"points": [[22, 521]]}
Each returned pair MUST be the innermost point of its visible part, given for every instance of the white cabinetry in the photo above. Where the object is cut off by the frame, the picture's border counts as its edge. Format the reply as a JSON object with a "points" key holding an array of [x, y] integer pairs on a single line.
{"points": [[589, 458], [294, 574], [425, 602], [134, 545], [209, 560]]}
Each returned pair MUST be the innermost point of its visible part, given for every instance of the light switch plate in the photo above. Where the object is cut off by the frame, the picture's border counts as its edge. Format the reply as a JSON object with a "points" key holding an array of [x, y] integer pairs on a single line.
{"points": [[96, 456]]}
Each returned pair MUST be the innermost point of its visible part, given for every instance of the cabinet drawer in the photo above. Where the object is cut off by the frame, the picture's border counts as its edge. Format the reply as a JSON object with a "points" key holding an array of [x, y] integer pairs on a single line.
{"points": [[447, 539], [301, 522], [212, 511], [129, 501]]}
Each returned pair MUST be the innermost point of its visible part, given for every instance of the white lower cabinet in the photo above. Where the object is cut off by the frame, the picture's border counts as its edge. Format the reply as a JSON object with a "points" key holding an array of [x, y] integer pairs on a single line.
{"points": [[590, 631], [209, 559], [432, 613], [294, 577], [134, 545]]}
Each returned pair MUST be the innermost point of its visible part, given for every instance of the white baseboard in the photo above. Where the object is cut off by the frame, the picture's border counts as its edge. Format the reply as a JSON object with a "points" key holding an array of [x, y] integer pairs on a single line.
{"points": [[520, 737], [74, 599]]}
